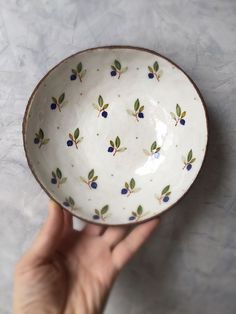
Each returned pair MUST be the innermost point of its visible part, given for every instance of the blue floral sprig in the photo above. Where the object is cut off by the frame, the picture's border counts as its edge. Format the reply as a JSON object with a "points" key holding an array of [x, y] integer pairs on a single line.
{"points": [[57, 103], [138, 110], [115, 146], [57, 178], [40, 138], [188, 161], [101, 214], [165, 195], [91, 180], [129, 188], [78, 72], [154, 71], [74, 138], [69, 202], [101, 107], [138, 214], [154, 150], [179, 116], [116, 68]]}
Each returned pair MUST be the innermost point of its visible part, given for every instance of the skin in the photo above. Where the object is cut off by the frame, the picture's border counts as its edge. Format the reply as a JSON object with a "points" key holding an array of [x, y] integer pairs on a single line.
{"points": [[69, 271]]}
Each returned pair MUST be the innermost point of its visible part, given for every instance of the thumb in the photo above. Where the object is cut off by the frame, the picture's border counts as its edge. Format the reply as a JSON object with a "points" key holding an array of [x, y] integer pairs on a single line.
{"points": [[46, 242]]}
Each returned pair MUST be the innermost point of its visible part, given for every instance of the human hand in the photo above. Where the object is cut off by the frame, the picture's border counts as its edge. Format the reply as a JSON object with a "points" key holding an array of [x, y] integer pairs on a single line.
{"points": [[69, 271]]}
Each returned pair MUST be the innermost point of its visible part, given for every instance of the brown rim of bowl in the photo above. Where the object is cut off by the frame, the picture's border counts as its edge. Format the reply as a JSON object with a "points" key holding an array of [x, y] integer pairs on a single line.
{"points": [[25, 122]]}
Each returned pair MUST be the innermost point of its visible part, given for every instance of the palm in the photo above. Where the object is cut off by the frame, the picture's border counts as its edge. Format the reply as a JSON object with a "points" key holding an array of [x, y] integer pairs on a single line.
{"points": [[73, 271]]}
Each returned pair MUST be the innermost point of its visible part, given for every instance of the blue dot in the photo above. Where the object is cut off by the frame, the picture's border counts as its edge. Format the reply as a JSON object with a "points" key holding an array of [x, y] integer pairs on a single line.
{"points": [[96, 217], [36, 140], [69, 143], [94, 185], [124, 191], [182, 121], [113, 73], [189, 167], [110, 149], [66, 204], [54, 181], [104, 114], [156, 155], [73, 77], [151, 75], [166, 199], [131, 218], [141, 115], [53, 106]]}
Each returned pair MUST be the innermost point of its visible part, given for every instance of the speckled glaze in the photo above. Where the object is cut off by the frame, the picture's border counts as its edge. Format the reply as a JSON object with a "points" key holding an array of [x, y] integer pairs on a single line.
{"points": [[116, 135]]}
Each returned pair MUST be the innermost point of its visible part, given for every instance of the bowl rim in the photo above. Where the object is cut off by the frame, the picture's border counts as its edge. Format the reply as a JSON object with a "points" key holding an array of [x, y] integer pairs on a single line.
{"points": [[25, 126]]}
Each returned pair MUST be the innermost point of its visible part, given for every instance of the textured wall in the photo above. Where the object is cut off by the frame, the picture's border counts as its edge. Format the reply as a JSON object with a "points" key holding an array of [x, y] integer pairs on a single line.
{"points": [[189, 265]]}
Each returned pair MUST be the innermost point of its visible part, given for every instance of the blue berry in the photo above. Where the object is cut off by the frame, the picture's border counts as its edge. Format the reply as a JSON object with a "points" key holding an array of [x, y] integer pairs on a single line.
{"points": [[141, 115], [53, 106], [189, 167], [104, 114], [182, 121], [69, 143], [131, 218], [113, 73], [73, 77], [124, 191], [157, 155], [151, 75], [36, 140], [110, 149], [166, 199], [94, 185], [54, 181], [66, 204], [96, 217]]}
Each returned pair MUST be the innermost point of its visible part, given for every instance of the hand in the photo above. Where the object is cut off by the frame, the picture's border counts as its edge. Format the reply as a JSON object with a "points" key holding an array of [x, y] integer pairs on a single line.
{"points": [[69, 271]]}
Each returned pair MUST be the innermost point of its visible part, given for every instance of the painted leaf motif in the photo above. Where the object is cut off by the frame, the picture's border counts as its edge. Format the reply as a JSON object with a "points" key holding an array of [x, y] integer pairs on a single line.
{"points": [[97, 212], [132, 183], [178, 110], [136, 105], [173, 115], [150, 69], [192, 160], [112, 144], [100, 101], [54, 100], [122, 149], [82, 74], [153, 146], [74, 72], [190, 155], [53, 174], [104, 210], [63, 180], [105, 106], [156, 66], [134, 214], [141, 108], [113, 68], [117, 64], [168, 193], [59, 174], [165, 190], [45, 141], [158, 149], [91, 174], [61, 98], [71, 136], [117, 142], [124, 69], [126, 185], [76, 133], [79, 67], [183, 114], [71, 201], [140, 210], [41, 134], [95, 178]]}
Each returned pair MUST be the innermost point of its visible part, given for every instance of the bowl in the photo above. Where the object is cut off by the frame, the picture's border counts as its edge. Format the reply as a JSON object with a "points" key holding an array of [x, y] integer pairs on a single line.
{"points": [[116, 135]]}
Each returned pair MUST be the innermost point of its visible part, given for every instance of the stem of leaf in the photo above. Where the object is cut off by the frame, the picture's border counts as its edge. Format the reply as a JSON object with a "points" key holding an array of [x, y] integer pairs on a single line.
{"points": [[136, 116], [80, 78], [59, 107], [177, 122], [76, 144], [156, 76], [115, 151], [185, 165], [58, 184], [41, 143], [119, 74]]}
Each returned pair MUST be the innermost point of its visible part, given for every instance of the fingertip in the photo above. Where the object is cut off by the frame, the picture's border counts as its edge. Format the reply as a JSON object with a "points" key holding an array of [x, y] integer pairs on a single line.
{"points": [[52, 205]]}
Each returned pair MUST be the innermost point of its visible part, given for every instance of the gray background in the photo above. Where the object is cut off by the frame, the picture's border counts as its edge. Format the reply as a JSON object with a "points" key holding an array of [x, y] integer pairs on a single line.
{"points": [[189, 265]]}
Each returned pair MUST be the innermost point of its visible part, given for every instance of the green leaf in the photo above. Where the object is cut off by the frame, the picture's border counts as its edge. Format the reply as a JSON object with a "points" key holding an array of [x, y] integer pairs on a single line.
{"points": [[173, 115], [100, 101], [183, 114], [104, 209], [124, 69], [112, 144], [141, 108], [76, 133], [136, 105], [139, 210], [134, 214], [97, 212], [190, 155], [127, 185], [91, 174], [156, 66], [105, 106], [122, 149], [71, 201], [95, 178], [153, 146], [150, 69], [63, 180], [59, 174], [117, 64], [178, 110], [117, 142], [41, 134], [165, 190], [79, 67], [113, 68], [158, 149], [71, 136], [54, 100], [192, 160], [168, 193], [82, 74], [45, 141], [74, 72], [132, 183], [53, 174], [61, 98]]}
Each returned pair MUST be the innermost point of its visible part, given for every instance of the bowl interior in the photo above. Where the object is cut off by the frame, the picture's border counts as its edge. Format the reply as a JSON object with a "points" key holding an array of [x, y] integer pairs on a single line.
{"points": [[116, 135]]}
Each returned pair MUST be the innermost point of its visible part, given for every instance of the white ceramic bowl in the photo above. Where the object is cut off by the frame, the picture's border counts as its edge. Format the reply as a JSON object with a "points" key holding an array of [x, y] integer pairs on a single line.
{"points": [[115, 134]]}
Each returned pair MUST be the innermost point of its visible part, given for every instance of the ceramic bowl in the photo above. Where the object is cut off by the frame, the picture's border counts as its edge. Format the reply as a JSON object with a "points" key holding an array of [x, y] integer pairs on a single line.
{"points": [[116, 135]]}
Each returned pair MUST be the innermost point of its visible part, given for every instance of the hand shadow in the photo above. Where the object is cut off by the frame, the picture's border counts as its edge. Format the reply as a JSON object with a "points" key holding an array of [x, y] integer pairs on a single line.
{"points": [[153, 282]]}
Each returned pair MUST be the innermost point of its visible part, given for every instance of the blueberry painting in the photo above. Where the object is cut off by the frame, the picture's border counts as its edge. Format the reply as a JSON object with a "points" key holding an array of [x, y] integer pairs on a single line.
{"points": [[154, 71], [178, 116], [101, 214], [154, 150], [117, 70], [101, 107], [91, 180], [138, 111], [74, 138], [57, 178], [129, 188], [40, 139], [137, 215], [115, 146], [57, 103], [165, 195], [188, 161], [69, 202], [79, 72]]}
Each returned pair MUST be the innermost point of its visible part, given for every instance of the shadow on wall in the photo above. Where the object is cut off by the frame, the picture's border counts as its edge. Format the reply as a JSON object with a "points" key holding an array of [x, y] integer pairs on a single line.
{"points": [[158, 276]]}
